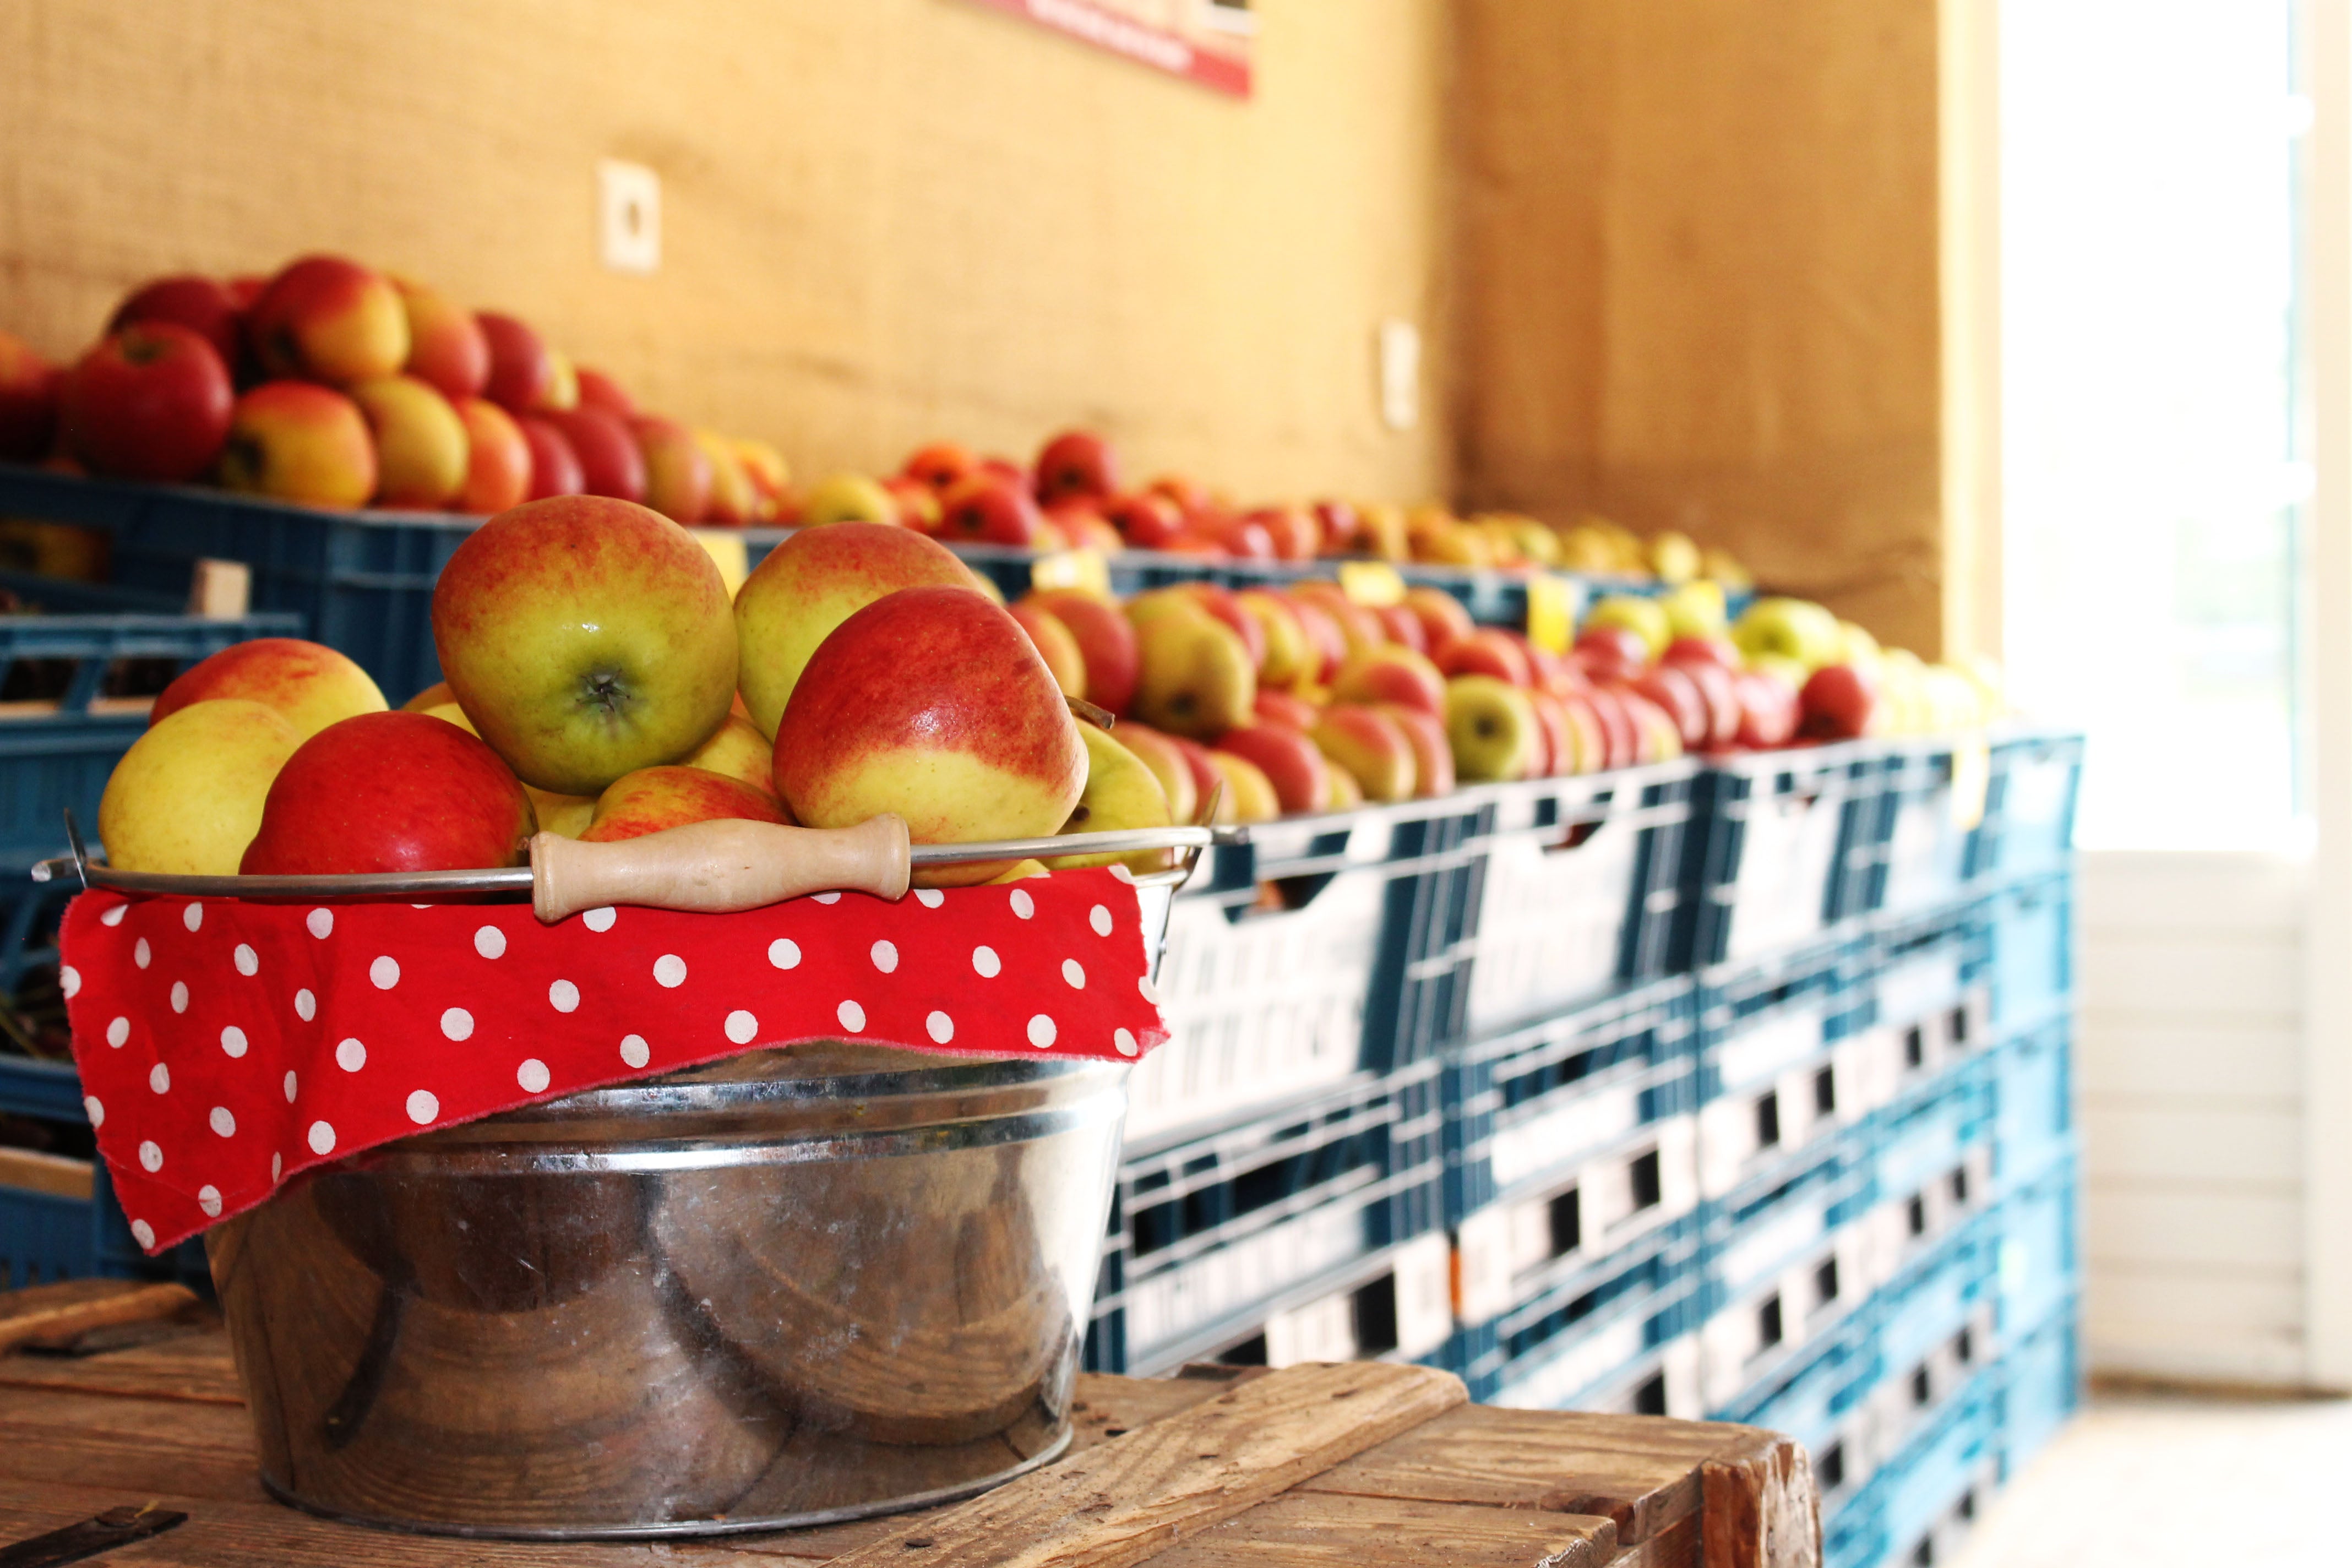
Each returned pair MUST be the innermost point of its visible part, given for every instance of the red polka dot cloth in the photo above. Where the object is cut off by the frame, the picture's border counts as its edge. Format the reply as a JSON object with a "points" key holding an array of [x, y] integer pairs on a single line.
{"points": [[226, 1046]]}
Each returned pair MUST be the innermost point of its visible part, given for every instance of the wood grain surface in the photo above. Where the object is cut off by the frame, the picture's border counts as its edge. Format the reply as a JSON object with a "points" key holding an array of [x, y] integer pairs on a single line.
{"points": [[75, 1305]]}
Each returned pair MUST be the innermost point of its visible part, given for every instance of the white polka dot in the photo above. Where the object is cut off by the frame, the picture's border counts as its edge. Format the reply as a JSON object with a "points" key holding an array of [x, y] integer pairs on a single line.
{"points": [[93, 1110], [490, 943], [1041, 1031], [208, 1199], [248, 963], [423, 1107], [784, 953], [828, 898], [532, 1075], [852, 1016], [985, 963], [70, 982], [293, 1085], [636, 1053], [600, 919], [929, 897], [1099, 917], [1022, 904], [384, 971], [1150, 992], [114, 917], [458, 1024], [563, 996], [321, 924], [669, 969], [742, 1027], [350, 1056], [885, 956], [142, 1232], [233, 1041], [306, 1006], [420, 906], [179, 995], [224, 1121], [151, 1156], [142, 955], [1124, 1041], [158, 1078], [1076, 976], [276, 1166], [117, 1032], [941, 1027], [193, 916]]}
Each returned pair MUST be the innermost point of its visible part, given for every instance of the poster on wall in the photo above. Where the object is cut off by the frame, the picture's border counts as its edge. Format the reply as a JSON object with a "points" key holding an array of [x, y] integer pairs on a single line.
{"points": [[1206, 41]]}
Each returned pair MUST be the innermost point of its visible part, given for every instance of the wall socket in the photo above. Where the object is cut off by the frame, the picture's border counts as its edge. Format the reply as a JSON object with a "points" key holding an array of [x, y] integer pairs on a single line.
{"points": [[1400, 372], [628, 216]]}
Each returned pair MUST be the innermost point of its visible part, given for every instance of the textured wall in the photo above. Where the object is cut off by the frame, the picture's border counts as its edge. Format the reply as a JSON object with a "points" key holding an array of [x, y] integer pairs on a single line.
{"points": [[884, 220]]}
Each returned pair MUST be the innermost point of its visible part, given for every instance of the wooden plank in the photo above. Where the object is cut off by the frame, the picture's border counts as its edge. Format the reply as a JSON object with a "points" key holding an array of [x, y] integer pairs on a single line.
{"points": [[1303, 1531], [180, 1369], [59, 1176], [1676, 1546], [1762, 1508], [1131, 1497], [75, 1305]]}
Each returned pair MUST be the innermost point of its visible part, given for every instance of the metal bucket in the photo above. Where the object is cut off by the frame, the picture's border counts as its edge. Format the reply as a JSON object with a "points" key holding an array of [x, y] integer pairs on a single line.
{"points": [[790, 1289]]}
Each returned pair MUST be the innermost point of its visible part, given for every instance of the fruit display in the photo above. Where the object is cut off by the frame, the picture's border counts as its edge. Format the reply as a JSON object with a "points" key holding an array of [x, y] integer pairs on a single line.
{"points": [[332, 385]]}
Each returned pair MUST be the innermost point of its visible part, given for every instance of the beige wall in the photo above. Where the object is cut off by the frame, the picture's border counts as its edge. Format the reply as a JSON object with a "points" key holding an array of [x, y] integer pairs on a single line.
{"points": [[884, 220], [1699, 269]]}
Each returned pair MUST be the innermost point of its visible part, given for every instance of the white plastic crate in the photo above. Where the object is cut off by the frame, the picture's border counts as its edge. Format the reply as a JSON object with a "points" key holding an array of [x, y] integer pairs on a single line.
{"points": [[1783, 1311]]}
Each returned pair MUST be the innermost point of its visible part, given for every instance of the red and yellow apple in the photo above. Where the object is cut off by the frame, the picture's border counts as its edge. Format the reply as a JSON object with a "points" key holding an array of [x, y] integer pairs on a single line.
{"points": [[497, 459], [298, 441], [1432, 754], [651, 800], [1371, 748], [331, 320], [187, 797], [1391, 674], [1290, 761], [1164, 755], [391, 791], [311, 686], [1122, 794], [1196, 678], [1055, 644], [422, 451], [446, 346], [848, 497], [677, 471]]}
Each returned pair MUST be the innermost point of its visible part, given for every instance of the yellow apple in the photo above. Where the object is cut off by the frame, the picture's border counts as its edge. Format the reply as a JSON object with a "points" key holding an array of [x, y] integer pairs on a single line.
{"points": [[1121, 794], [740, 752], [187, 797], [1194, 675], [1249, 794]]}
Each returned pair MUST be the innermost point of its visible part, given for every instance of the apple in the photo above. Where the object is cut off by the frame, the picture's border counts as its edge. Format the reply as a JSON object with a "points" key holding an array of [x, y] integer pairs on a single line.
{"points": [[918, 505], [203, 305], [1716, 650], [423, 455], [812, 582], [1432, 754], [651, 800], [1645, 618], [1105, 642], [610, 463], [1659, 740], [1223, 605], [1122, 793], [1187, 495], [298, 441], [1285, 708], [1347, 795], [520, 371], [1196, 678], [1842, 702], [1768, 710], [1292, 532], [1206, 777], [1441, 616], [1486, 651], [678, 473], [847, 497], [152, 402], [330, 320], [1289, 660], [1559, 733], [187, 797], [940, 465], [311, 685], [1492, 728], [554, 466], [1789, 628], [1164, 755], [497, 459], [1588, 748], [771, 476], [734, 501], [1679, 698], [1247, 539], [1055, 644], [29, 390], [1371, 748], [1695, 609], [930, 703], [1076, 463], [1327, 643], [987, 508], [391, 791], [1619, 733], [594, 389], [1358, 626], [1404, 627], [1391, 674], [565, 816], [562, 393], [588, 637], [1611, 653], [446, 346], [1290, 761], [738, 750], [1146, 521], [1081, 522], [1720, 688], [436, 695], [1248, 795]]}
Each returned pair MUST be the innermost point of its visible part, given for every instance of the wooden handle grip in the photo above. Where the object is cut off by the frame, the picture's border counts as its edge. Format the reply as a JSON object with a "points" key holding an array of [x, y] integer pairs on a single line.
{"points": [[718, 867]]}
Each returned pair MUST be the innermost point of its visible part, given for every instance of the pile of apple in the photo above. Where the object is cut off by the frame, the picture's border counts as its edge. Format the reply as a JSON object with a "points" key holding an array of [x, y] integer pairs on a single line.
{"points": [[333, 384]]}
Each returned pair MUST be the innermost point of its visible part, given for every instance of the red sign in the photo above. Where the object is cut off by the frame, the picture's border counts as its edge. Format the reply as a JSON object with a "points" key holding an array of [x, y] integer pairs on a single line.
{"points": [[1207, 41]]}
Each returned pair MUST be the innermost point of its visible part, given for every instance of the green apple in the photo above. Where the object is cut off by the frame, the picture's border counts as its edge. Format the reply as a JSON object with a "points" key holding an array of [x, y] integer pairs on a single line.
{"points": [[586, 637], [1695, 609], [1194, 675], [1492, 728], [1121, 793], [1789, 628]]}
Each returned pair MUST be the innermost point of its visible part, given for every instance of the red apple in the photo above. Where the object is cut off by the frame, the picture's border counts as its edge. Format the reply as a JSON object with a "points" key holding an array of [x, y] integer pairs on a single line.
{"points": [[1106, 641], [29, 390], [1840, 702], [497, 459], [1222, 604], [1145, 521], [985, 509], [1620, 734], [1076, 463], [1284, 708], [1370, 747], [1441, 616], [521, 370], [1768, 710], [598, 390], [1206, 778], [1244, 538], [1486, 651], [331, 320], [1720, 688], [152, 402], [203, 305], [446, 346], [917, 503], [654, 799], [1404, 627], [1432, 755], [1680, 698], [1301, 778], [391, 791], [1611, 653], [1391, 674], [1588, 748], [1654, 736], [554, 466], [1717, 651], [1294, 532], [1323, 636], [677, 472], [1340, 525], [1055, 644], [610, 463], [1188, 496], [940, 465], [309, 685]]}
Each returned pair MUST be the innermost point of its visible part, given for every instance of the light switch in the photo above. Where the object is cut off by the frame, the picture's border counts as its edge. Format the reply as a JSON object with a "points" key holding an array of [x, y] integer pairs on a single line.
{"points": [[628, 216]]}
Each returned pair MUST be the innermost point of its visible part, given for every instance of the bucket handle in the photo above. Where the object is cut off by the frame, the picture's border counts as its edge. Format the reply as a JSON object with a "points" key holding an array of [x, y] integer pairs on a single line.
{"points": [[718, 868]]}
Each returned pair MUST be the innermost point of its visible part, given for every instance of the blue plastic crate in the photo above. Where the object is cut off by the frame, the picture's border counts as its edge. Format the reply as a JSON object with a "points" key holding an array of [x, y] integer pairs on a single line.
{"points": [[1580, 884], [1930, 1131], [1217, 1232], [1770, 865], [2041, 1387], [1769, 1066], [1823, 1404], [1784, 1270], [1944, 1476], [1923, 981], [1586, 1339], [1939, 1297], [1526, 1109], [2033, 1089], [1925, 831], [2030, 950], [46, 1236], [2029, 825], [2040, 1249], [1327, 947]]}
